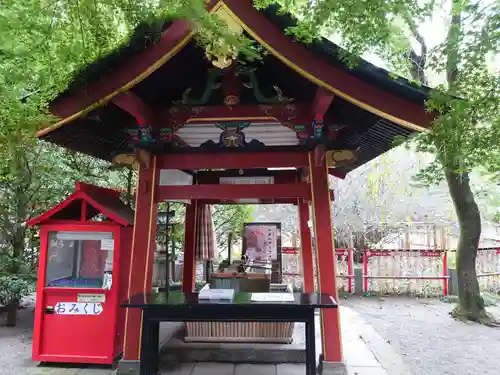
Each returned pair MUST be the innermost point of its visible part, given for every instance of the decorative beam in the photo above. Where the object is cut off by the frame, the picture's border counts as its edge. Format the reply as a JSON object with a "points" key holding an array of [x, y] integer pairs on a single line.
{"points": [[236, 160], [233, 192], [131, 103], [289, 115], [321, 103]]}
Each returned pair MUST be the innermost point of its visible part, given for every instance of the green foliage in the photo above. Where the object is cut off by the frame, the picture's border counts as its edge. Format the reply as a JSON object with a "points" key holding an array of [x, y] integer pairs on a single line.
{"points": [[466, 97], [16, 280], [230, 219], [227, 219]]}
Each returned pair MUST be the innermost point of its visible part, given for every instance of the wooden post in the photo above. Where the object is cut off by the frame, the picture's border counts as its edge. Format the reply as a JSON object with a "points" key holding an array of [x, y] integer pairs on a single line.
{"points": [[407, 241], [325, 259], [306, 247], [294, 239], [189, 265], [142, 254], [229, 246]]}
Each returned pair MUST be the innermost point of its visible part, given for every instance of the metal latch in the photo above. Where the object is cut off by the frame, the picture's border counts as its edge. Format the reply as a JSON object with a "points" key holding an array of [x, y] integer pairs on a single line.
{"points": [[49, 310]]}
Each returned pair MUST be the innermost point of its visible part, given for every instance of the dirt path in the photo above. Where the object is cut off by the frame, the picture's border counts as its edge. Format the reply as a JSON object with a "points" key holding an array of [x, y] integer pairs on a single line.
{"points": [[431, 342], [15, 343]]}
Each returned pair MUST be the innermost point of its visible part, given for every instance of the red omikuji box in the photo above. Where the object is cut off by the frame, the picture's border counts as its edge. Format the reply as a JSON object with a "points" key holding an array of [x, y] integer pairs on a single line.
{"points": [[83, 273]]}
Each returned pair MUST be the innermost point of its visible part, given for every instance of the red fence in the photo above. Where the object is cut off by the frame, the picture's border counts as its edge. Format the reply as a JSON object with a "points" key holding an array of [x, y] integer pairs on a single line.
{"points": [[421, 272]]}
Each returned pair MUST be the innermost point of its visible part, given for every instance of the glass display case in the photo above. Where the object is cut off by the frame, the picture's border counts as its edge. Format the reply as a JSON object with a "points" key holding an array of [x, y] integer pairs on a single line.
{"points": [[80, 259]]}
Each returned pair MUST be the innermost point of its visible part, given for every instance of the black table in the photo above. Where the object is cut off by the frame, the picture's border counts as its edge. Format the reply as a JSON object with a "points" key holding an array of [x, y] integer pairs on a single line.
{"points": [[174, 306]]}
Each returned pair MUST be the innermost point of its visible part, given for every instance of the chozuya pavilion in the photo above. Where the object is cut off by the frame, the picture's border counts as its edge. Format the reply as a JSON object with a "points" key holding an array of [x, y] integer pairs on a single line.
{"points": [[170, 105]]}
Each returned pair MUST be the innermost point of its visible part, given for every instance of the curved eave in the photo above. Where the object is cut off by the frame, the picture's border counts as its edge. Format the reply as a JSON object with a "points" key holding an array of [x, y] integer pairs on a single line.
{"points": [[295, 55], [367, 96], [133, 71]]}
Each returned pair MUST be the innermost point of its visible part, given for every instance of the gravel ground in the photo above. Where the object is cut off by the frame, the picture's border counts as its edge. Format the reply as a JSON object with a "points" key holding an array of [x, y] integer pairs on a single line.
{"points": [[15, 344], [430, 341]]}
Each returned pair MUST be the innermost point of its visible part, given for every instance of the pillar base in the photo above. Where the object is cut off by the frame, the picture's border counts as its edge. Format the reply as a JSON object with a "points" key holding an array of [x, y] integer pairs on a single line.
{"points": [[331, 368], [128, 367]]}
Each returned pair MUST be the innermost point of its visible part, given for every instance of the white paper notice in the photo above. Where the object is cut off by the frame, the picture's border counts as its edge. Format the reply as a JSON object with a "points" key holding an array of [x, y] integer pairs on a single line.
{"points": [[107, 244], [226, 294], [272, 297], [91, 298]]}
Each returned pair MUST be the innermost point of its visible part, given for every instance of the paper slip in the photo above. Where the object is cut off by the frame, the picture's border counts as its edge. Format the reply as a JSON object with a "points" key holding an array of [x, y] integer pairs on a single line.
{"points": [[226, 294], [272, 297]]}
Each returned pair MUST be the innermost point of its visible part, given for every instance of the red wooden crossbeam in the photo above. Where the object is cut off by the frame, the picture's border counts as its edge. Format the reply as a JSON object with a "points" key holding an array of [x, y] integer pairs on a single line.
{"points": [[232, 192], [321, 103], [131, 103], [236, 160]]}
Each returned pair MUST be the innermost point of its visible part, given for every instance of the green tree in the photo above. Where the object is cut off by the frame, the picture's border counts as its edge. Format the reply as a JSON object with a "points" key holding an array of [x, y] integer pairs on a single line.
{"points": [[42, 54], [230, 219], [34, 177], [39, 55], [466, 96]]}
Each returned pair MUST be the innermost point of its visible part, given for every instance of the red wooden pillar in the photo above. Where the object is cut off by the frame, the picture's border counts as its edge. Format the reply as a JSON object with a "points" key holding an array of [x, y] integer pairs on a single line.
{"points": [[142, 254], [306, 246], [325, 259], [189, 267]]}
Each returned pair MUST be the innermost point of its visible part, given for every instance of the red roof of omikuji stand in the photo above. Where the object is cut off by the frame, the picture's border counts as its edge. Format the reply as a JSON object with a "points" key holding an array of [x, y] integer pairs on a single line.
{"points": [[99, 200], [365, 110]]}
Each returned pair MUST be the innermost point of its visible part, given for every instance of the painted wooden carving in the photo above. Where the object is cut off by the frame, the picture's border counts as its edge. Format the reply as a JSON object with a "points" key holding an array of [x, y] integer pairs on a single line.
{"points": [[127, 160], [251, 82], [340, 158], [213, 83], [232, 136]]}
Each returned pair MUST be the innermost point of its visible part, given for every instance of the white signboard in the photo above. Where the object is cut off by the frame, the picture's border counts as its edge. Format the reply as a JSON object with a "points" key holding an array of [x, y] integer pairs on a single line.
{"points": [[107, 244], [216, 294], [174, 177], [78, 308], [265, 180], [91, 298], [272, 297]]}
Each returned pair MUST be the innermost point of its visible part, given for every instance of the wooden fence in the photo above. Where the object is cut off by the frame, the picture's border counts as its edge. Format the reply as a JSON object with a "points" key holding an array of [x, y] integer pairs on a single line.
{"points": [[386, 272]]}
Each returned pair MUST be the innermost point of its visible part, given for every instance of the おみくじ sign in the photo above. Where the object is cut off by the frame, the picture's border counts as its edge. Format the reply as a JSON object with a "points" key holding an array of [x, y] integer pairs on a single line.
{"points": [[78, 308]]}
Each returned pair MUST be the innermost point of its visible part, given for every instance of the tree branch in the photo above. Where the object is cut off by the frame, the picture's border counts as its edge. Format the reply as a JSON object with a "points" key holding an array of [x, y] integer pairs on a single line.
{"points": [[418, 61]]}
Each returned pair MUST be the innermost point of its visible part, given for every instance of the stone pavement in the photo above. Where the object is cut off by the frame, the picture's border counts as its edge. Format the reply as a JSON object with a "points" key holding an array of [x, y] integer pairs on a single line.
{"points": [[365, 353], [359, 357], [69, 370]]}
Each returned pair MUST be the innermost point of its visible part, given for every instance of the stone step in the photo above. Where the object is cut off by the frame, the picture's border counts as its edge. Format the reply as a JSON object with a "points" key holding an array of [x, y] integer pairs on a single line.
{"points": [[176, 350], [212, 368]]}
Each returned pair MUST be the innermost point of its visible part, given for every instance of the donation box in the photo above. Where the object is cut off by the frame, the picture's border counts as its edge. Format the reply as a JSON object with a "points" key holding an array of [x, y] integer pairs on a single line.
{"points": [[83, 277]]}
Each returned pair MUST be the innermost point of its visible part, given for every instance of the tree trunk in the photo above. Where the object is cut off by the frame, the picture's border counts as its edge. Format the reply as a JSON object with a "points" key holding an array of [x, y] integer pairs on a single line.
{"points": [[11, 309], [470, 304]]}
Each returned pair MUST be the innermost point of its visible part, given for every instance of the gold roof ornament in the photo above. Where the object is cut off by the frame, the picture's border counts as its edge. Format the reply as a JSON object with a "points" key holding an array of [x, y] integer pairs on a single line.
{"points": [[219, 52]]}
